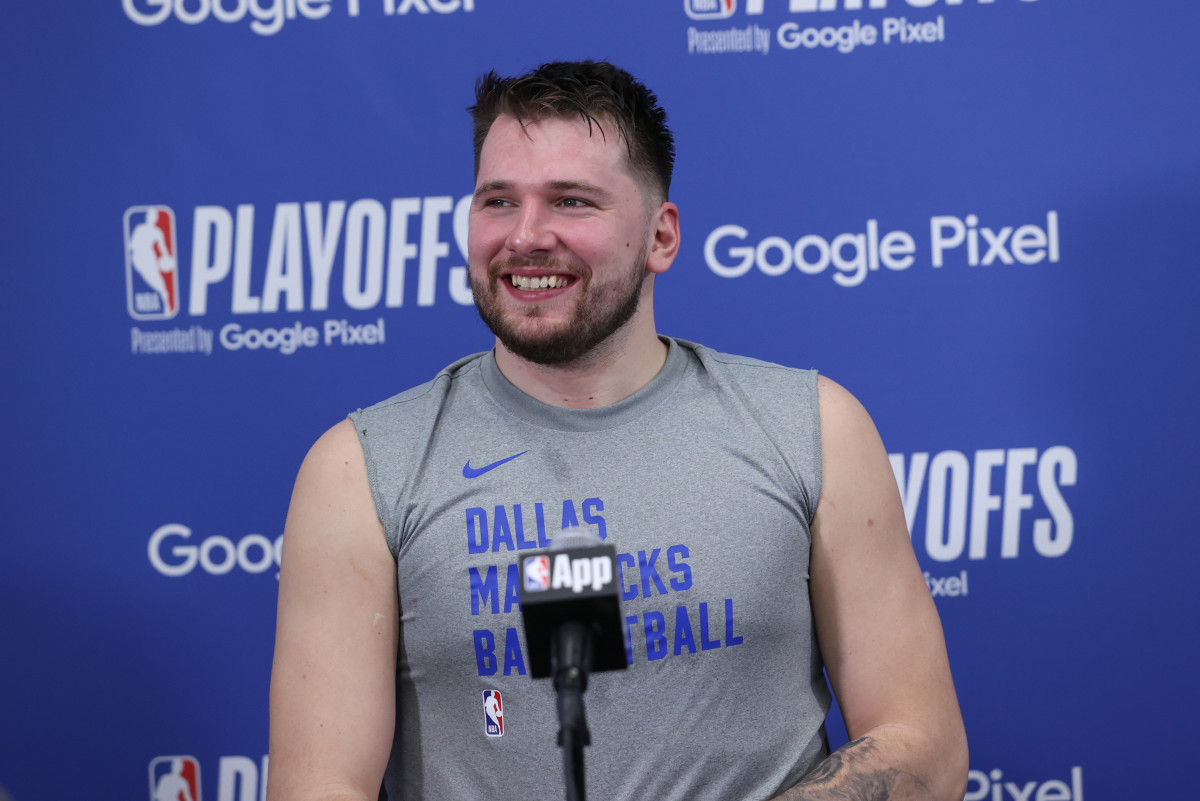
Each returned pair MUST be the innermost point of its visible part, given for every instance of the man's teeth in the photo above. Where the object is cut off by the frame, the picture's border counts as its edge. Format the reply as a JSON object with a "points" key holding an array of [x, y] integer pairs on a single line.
{"points": [[545, 282]]}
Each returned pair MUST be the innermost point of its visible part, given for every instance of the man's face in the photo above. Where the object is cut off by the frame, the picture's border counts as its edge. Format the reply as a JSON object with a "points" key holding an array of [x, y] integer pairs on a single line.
{"points": [[559, 233]]}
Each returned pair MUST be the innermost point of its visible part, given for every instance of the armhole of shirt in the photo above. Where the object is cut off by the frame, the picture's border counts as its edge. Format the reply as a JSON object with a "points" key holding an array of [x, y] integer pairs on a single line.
{"points": [[382, 511]]}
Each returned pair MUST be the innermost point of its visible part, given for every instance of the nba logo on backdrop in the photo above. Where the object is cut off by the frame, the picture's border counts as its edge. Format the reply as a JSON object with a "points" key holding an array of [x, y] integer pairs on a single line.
{"points": [[175, 778], [537, 573], [709, 9], [151, 271], [493, 714]]}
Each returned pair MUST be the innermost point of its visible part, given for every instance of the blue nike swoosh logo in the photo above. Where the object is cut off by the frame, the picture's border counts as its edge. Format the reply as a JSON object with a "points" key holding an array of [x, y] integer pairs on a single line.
{"points": [[476, 472]]}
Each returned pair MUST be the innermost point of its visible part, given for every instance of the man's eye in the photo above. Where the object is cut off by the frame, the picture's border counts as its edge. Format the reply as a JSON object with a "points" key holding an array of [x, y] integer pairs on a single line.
{"points": [[573, 202]]}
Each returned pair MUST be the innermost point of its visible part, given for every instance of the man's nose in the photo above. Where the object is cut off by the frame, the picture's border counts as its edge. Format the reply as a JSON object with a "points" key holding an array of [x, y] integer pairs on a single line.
{"points": [[532, 232]]}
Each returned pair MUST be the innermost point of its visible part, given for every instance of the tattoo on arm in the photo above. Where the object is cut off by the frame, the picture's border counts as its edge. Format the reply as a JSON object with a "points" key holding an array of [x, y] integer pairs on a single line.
{"points": [[852, 774]]}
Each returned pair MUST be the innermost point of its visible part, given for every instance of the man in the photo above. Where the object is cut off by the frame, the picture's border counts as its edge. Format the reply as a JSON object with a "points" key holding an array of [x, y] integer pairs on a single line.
{"points": [[758, 525]]}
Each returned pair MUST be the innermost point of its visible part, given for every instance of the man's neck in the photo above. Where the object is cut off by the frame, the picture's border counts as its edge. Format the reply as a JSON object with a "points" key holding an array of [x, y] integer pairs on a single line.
{"points": [[608, 374]]}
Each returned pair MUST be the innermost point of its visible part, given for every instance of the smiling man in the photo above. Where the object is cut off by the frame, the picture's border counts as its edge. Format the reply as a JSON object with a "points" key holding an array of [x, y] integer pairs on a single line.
{"points": [[568, 228], [759, 530]]}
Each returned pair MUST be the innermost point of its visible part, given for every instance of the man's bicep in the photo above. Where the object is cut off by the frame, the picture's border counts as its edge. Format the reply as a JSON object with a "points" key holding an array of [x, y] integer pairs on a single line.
{"points": [[333, 677], [877, 625]]}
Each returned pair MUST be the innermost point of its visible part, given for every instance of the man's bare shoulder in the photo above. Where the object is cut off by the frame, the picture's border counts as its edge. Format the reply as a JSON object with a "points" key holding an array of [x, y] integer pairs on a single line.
{"points": [[849, 440], [332, 495], [840, 407], [335, 451]]}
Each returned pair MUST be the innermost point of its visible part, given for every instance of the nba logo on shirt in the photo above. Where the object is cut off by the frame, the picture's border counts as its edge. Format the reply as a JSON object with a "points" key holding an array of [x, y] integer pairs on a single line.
{"points": [[151, 273], [175, 778], [537, 573], [493, 714]]}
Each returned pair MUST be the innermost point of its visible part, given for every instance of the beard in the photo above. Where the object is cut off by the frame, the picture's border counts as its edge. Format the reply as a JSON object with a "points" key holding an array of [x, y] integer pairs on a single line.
{"points": [[598, 312]]}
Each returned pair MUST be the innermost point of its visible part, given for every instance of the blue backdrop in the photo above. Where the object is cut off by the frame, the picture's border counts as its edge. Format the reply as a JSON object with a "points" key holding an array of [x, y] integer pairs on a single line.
{"points": [[229, 222]]}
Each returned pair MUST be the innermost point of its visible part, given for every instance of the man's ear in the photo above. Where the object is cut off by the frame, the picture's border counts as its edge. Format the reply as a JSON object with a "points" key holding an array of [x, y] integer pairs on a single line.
{"points": [[665, 242]]}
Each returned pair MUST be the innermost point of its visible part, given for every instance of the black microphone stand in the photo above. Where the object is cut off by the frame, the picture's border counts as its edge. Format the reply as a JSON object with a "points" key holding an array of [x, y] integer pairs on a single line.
{"points": [[571, 660]]}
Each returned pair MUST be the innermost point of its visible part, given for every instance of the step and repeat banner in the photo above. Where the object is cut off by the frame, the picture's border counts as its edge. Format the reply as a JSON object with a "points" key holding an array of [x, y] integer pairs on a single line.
{"points": [[228, 223]]}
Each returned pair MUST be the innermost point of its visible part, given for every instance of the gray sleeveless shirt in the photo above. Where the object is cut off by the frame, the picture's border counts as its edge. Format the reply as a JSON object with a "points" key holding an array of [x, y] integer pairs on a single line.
{"points": [[705, 481]]}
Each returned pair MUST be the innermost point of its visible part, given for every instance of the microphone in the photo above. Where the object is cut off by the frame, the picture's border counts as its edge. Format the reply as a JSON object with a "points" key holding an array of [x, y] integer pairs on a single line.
{"points": [[571, 609], [576, 580]]}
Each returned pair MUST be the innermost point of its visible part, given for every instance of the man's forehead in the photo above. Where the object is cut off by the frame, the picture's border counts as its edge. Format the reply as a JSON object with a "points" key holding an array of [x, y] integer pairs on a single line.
{"points": [[601, 132], [570, 139]]}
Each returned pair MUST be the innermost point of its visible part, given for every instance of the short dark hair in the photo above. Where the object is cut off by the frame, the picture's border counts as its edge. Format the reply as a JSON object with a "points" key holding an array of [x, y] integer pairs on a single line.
{"points": [[593, 90]]}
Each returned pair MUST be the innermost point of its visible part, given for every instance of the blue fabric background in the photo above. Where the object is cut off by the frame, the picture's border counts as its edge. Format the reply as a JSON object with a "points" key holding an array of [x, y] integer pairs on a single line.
{"points": [[1081, 661]]}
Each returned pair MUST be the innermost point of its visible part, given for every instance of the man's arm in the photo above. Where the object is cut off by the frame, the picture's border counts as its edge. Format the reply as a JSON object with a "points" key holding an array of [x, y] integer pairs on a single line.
{"points": [[878, 628], [333, 678]]}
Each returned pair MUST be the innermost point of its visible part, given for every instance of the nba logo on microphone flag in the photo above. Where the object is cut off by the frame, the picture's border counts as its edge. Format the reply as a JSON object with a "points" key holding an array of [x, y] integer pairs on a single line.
{"points": [[537, 573]]}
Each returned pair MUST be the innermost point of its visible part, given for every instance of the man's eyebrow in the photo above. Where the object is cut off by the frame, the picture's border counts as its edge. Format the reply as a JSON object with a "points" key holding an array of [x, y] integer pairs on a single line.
{"points": [[580, 186], [556, 186], [491, 186]]}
